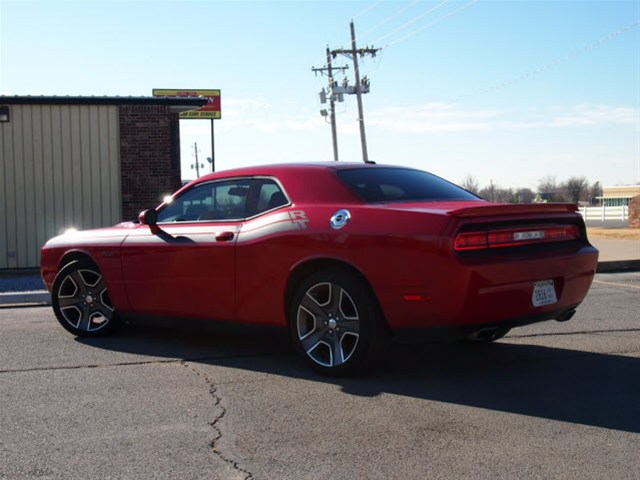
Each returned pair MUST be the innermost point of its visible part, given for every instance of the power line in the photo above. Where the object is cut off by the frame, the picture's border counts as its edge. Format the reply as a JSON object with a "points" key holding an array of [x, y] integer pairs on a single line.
{"points": [[413, 20], [431, 24], [370, 7], [552, 64], [365, 10], [391, 17]]}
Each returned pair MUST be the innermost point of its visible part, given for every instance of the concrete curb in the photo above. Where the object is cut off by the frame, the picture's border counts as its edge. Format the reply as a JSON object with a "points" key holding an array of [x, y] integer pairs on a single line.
{"points": [[36, 297], [618, 266]]}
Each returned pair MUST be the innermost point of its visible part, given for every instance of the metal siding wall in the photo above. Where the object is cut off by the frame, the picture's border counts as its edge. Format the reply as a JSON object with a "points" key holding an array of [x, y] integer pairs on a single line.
{"points": [[8, 207], [60, 169]]}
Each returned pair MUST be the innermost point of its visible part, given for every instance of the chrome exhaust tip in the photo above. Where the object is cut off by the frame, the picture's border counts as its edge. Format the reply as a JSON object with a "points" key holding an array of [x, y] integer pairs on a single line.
{"points": [[484, 335], [566, 316]]}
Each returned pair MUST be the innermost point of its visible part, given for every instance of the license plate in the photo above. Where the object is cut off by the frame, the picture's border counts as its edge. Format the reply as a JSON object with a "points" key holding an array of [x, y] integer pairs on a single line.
{"points": [[544, 293]]}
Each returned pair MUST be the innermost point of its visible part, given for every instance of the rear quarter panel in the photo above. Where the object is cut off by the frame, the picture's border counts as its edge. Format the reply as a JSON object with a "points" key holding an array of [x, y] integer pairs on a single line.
{"points": [[392, 249]]}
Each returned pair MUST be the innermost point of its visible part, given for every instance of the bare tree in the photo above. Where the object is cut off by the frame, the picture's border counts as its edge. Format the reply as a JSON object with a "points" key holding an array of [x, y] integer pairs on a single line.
{"points": [[494, 193], [488, 193], [524, 195], [471, 183], [594, 192], [576, 188], [548, 189], [547, 184], [504, 195]]}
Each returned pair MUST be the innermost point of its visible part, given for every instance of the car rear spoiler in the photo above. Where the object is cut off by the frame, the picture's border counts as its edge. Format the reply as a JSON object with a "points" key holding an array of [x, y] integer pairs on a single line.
{"points": [[492, 210]]}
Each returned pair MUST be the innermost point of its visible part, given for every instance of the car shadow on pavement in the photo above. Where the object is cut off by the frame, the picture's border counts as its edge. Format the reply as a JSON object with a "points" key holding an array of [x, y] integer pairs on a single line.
{"points": [[600, 390]]}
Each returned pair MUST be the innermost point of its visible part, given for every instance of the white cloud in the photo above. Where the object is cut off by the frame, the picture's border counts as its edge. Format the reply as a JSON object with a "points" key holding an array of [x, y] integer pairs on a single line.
{"points": [[587, 114], [261, 115], [433, 118], [450, 118]]}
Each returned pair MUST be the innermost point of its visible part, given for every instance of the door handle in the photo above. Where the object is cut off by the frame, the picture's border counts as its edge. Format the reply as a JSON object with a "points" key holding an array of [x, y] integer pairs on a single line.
{"points": [[224, 236]]}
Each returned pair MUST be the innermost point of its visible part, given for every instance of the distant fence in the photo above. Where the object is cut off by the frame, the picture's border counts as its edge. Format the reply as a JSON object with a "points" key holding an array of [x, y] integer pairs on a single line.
{"points": [[605, 213]]}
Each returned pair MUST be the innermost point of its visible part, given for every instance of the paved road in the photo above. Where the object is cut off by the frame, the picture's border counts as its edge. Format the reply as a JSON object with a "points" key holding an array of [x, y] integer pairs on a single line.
{"points": [[548, 401]]}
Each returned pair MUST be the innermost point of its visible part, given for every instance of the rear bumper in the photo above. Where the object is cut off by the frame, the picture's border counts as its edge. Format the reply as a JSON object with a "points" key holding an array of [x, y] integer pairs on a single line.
{"points": [[474, 290]]}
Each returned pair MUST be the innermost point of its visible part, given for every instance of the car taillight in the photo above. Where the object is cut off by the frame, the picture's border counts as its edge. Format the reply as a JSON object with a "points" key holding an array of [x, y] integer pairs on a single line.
{"points": [[515, 236]]}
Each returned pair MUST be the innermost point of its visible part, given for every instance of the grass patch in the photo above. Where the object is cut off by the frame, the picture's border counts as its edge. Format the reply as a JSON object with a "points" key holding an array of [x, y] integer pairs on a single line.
{"points": [[621, 233]]}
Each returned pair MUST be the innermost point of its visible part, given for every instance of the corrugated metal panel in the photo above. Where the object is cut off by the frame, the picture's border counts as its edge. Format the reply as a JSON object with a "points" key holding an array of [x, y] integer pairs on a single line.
{"points": [[60, 169]]}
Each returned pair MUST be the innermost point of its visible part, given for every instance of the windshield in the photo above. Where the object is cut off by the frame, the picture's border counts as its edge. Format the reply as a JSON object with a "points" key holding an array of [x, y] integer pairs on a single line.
{"points": [[400, 185]]}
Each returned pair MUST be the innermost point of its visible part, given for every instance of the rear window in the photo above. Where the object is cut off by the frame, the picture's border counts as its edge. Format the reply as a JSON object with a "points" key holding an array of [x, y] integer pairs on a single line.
{"points": [[400, 185]]}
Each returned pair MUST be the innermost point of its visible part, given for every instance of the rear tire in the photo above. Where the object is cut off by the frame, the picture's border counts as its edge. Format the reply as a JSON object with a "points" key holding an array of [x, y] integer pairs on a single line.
{"points": [[81, 301], [336, 324]]}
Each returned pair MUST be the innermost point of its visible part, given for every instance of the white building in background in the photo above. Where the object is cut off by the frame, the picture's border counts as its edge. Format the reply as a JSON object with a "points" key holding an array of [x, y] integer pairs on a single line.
{"points": [[618, 196]]}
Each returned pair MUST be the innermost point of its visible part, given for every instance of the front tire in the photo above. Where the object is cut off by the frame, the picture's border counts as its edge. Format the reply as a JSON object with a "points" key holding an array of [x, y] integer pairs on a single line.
{"points": [[81, 301], [336, 324]]}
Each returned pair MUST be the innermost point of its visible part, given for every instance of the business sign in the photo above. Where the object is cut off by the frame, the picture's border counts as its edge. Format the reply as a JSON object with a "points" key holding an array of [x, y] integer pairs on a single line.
{"points": [[211, 110]]}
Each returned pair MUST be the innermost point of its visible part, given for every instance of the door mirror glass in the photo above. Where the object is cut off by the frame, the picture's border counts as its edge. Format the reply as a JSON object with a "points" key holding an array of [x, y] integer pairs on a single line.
{"points": [[148, 217]]}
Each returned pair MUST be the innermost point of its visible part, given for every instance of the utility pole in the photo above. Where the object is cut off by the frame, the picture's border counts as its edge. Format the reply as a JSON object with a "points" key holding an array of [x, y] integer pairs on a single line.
{"points": [[332, 108], [197, 165], [362, 86], [213, 155], [332, 100]]}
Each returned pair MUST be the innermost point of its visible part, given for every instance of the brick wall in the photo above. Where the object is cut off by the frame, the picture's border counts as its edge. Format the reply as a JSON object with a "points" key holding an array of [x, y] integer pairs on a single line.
{"points": [[634, 212], [149, 156]]}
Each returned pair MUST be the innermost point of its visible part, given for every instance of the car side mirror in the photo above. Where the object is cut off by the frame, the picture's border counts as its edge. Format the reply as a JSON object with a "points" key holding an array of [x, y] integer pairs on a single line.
{"points": [[150, 218]]}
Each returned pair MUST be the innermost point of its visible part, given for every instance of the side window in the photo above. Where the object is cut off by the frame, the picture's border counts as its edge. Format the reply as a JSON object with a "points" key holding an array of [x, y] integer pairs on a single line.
{"points": [[392, 192], [270, 196], [225, 200]]}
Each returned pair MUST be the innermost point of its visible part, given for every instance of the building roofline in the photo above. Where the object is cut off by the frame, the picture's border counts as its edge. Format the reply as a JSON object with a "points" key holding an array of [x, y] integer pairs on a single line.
{"points": [[193, 102], [608, 197]]}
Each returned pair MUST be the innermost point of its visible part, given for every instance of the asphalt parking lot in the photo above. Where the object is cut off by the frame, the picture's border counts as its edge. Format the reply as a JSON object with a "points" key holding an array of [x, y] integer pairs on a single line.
{"points": [[554, 400]]}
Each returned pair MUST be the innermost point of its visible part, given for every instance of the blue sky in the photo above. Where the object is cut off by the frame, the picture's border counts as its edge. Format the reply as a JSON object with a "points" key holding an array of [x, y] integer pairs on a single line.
{"points": [[506, 91]]}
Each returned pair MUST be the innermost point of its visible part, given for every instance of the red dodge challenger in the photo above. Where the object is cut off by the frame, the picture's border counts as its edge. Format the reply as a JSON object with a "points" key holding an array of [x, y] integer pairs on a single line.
{"points": [[343, 254]]}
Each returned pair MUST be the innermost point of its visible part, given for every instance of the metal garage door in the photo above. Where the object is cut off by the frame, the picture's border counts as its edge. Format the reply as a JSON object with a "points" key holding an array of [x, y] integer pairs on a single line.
{"points": [[60, 169]]}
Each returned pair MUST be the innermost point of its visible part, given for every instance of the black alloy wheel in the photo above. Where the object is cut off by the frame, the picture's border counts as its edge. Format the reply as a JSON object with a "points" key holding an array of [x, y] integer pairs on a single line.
{"points": [[81, 301], [336, 324]]}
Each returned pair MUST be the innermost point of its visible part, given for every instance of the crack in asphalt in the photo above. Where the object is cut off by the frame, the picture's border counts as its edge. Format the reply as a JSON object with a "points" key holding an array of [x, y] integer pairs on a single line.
{"points": [[80, 367], [213, 391], [127, 364]]}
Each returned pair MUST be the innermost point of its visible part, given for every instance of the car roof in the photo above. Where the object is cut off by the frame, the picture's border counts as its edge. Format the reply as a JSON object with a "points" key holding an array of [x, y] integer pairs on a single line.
{"points": [[304, 182], [270, 169]]}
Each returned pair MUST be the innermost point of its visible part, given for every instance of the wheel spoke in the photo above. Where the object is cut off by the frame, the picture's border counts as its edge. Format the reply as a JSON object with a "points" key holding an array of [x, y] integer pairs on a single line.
{"points": [[100, 286], [74, 301], [311, 306], [90, 278], [313, 339], [348, 343], [336, 350], [335, 299], [350, 325], [85, 320], [79, 281], [103, 310], [105, 301]]}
